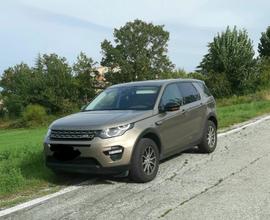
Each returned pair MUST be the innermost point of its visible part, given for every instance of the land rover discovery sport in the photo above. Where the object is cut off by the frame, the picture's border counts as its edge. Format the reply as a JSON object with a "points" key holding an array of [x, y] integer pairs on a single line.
{"points": [[132, 126]]}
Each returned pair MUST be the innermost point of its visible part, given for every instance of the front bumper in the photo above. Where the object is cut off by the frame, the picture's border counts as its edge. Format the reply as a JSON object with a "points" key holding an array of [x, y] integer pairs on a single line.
{"points": [[94, 150], [85, 166]]}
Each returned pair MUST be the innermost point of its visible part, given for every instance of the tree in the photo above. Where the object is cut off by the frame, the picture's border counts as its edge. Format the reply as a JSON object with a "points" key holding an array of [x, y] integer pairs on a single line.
{"points": [[231, 56], [264, 45], [85, 81], [264, 72], [139, 53], [59, 93], [174, 74], [15, 83]]}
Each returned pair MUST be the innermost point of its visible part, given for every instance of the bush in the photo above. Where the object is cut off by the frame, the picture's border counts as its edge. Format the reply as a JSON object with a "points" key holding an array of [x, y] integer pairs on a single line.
{"points": [[34, 115], [218, 84]]}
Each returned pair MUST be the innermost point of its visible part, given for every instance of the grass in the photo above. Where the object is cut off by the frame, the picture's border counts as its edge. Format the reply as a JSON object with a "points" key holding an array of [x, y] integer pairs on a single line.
{"points": [[230, 115], [22, 169], [23, 174], [238, 109]]}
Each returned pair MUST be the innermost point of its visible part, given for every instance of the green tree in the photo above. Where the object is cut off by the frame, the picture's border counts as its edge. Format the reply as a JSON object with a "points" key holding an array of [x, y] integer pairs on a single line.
{"points": [[85, 78], [264, 72], [231, 56], [264, 45], [16, 89], [174, 74], [139, 53], [59, 92]]}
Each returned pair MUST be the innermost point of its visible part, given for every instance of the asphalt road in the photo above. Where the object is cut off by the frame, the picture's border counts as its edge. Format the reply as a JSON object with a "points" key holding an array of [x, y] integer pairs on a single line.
{"points": [[231, 183]]}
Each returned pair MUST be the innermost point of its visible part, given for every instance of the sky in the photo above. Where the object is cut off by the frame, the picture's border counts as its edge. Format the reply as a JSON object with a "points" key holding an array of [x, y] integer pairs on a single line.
{"points": [[66, 27]]}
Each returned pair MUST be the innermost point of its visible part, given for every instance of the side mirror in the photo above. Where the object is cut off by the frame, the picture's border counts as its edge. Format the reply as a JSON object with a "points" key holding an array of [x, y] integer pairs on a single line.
{"points": [[171, 106]]}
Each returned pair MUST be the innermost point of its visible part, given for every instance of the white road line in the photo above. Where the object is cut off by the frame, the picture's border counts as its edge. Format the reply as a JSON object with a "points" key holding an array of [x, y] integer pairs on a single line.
{"points": [[44, 198], [244, 126], [72, 188]]}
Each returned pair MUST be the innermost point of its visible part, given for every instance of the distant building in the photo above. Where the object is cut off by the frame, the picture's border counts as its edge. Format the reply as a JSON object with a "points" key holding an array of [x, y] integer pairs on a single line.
{"points": [[99, 74]]}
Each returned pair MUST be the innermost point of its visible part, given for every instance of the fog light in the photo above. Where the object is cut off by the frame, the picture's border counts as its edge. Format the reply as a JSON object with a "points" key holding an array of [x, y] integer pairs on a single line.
{"points": [[115, 152], [118, 151]]}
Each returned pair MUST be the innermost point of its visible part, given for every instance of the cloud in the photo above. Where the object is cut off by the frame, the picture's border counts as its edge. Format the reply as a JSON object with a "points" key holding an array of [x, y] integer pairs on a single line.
{"points": [[62, 19]]}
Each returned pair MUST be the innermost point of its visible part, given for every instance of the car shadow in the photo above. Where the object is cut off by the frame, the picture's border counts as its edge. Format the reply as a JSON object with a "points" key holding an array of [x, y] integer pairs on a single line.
{"points": [[111, 180]]}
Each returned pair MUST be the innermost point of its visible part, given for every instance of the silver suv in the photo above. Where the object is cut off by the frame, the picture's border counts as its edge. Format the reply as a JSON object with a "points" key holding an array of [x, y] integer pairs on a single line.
{"points": [[132, 126]]}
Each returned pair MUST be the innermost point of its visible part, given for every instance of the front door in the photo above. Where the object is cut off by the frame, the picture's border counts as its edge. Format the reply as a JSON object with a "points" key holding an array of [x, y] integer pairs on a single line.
{"points": [[172, 125]]}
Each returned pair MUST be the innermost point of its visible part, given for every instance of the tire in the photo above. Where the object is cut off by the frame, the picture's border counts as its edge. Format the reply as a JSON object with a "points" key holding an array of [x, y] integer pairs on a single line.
{"points": [[143, 168], [206, 145]]}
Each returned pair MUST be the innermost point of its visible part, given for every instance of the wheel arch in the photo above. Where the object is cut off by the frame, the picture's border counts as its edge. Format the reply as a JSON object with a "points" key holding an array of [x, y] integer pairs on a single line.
{"points": [[212, 117], [152, 134]]}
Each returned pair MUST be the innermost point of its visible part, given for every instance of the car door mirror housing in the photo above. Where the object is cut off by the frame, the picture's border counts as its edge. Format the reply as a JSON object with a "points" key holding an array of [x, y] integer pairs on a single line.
{"points": [[171, 106]]}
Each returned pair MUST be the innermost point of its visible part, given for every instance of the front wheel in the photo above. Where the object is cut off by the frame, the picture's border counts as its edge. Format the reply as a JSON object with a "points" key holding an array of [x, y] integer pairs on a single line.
{"points": [[145, 161], [209, 140]]}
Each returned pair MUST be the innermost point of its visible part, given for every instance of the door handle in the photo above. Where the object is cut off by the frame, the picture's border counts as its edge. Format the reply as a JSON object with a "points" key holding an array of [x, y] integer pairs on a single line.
{"points": [[184, 111], [159, 123]]}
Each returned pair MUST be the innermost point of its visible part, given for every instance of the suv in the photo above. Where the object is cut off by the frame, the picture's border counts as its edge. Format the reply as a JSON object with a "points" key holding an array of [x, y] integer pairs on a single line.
{"points": [[132, 126]]}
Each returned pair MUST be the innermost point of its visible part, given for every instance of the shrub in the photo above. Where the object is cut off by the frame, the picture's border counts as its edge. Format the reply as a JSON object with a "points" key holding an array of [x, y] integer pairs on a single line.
{"points": [[34, 115]]}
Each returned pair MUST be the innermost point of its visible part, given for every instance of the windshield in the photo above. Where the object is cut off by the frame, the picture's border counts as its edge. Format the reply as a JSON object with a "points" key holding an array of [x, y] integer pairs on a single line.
{"points": [[125, 98]]}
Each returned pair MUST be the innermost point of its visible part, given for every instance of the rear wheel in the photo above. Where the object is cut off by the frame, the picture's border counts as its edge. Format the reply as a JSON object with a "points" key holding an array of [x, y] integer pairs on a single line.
{"points": [[145, 161], [209, 141]]}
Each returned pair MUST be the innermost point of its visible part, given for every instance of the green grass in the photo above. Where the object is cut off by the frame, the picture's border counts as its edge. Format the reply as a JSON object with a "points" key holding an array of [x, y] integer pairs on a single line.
{"points": [[229, 115], [24, 175], [22, 169]]}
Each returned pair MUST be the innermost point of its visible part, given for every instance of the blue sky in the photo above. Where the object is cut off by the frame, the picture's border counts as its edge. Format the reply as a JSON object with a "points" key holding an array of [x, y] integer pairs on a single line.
{"points": [[66, 27]]}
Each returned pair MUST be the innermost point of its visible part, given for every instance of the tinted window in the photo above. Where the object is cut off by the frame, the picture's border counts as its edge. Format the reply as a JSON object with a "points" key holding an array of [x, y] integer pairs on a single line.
{"points": [[189, 92], [125, 98], [205, 89], [171, 94]]}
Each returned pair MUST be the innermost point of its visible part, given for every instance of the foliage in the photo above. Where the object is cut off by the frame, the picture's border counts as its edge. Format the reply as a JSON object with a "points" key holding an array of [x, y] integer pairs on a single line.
{"points": [[264, 45], [140, 52], [16, 82], [50, 83], [264, 72], [174, 74], [58, 85], [84, 79], [34, 115], [230, 56]]}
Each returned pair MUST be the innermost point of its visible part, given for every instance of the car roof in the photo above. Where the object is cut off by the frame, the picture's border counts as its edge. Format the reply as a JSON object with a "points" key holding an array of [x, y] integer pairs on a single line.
{"points": [[157, 82]]}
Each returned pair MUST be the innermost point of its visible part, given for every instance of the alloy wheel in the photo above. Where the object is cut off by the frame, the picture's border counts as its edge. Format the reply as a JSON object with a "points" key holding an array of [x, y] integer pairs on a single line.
{"points": [[211, 136], [149, 160]]}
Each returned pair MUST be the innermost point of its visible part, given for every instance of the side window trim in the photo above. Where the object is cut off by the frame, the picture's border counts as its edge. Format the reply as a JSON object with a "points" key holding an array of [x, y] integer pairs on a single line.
{"points": [[200, 96], [198, 92], [181, 96]]}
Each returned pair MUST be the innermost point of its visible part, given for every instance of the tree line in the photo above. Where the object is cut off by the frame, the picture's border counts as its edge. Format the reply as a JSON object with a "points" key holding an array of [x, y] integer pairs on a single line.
{"points": [[139, 51]]}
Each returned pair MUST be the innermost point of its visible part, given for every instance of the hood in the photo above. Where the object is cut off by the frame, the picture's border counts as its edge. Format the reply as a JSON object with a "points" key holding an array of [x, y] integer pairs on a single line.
{"points": [[97, 120]]}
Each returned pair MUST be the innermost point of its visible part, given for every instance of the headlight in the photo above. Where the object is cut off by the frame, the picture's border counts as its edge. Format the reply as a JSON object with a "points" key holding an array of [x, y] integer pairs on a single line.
{"points": [[114, 132], [48, 132]]}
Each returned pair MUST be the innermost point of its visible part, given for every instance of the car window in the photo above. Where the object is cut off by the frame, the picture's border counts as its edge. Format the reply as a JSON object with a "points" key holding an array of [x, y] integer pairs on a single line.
{"points": [[205, 90], [171, 94], [189, 92], [125, 98]]}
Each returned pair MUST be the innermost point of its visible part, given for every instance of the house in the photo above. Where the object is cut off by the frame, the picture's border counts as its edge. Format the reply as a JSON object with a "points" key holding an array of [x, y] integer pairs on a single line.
{"points": [[99, 74]]}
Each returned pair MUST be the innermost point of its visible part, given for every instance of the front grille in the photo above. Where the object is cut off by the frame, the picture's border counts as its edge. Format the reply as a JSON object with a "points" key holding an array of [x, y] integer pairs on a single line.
{"points": [[72, 135]]}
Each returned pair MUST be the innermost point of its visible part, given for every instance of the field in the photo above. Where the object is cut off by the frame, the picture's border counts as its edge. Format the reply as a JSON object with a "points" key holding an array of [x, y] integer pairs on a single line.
{"points": [[24, 175]]}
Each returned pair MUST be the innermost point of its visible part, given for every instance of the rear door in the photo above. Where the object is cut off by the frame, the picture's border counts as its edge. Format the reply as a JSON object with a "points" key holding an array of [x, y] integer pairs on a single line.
{"points": [[194, 111]]}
